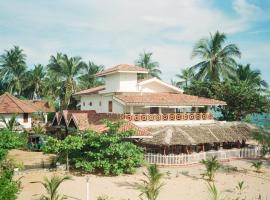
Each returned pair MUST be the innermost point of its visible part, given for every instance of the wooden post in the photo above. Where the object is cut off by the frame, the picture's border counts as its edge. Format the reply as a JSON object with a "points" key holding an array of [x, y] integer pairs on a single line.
{"points": [[203, 149]]}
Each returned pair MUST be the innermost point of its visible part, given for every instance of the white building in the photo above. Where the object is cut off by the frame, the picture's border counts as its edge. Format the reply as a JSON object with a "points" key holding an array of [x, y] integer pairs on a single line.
{"points": [[144, 101]]}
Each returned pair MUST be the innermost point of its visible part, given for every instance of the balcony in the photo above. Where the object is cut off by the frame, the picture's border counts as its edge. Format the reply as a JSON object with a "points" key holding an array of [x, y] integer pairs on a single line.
{"points": [[167, 117]]}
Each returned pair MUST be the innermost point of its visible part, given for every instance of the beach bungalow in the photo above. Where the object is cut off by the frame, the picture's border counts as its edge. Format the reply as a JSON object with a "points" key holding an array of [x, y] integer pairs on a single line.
{"points": [[167, 120], [23, 109]]}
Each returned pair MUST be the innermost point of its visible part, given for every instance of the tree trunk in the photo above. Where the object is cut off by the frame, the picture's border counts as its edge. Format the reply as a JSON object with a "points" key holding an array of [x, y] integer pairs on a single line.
{"points": [[67, 160]]}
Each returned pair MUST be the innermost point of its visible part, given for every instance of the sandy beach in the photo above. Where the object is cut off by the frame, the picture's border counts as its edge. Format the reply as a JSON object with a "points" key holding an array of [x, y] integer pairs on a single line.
{"points": [[180, 183]]}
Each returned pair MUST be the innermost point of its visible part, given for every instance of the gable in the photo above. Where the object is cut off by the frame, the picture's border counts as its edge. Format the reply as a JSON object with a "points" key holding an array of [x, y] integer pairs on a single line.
{"points": [[155, 85]]}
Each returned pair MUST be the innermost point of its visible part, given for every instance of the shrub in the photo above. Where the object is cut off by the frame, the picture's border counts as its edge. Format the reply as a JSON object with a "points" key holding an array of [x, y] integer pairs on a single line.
{"points": [[8, 187], [211, 165], [12, 140], [257, 165], [108, 154]]}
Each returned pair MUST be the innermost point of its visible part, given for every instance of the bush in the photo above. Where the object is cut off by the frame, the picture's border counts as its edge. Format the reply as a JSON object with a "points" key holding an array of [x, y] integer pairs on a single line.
{"points": [[8, 187], [12, 140], [108, 154]]}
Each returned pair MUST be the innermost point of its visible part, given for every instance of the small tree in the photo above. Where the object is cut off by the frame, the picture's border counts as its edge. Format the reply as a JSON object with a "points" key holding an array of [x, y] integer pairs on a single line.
{"points": [[12, 123], [51, 186], [150, 188], [63, 147], [211, 165], [257, 165]]}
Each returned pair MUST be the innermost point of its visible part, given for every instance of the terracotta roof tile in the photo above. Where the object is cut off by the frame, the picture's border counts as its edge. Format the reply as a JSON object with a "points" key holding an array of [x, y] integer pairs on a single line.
{"points": [[40, 105], [11, 104], [122, 67], [165, 99], [91, 90], [84, 120]]}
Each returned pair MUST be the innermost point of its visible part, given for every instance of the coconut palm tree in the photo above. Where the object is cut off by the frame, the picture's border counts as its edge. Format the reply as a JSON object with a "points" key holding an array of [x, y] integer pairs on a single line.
{"points": [[12, 69], [252, 77], [217, 61], [35, 81], [68, 69], [146, 62], [88, 79], [211, 165], [51, 186], [12, 123], [150, 188], [186, 76]]}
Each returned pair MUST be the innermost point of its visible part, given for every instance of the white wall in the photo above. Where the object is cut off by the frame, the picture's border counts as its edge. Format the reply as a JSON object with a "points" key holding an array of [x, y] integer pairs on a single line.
{"points": [[19, 119], [155, 87], [96, 99], [128, 82], [121, 82]]}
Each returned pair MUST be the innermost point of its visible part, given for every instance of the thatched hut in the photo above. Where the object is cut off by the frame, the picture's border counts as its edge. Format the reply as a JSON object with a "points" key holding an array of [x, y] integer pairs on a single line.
{"points": [[196, 138]]}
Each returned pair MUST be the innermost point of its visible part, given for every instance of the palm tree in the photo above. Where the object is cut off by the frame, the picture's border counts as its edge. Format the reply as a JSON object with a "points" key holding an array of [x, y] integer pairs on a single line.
{"points": [[13, 68], [252, 77], [217, 61], [68, 69], [186, 76], [88, 79], [211, 165], [150, 188], [51, 186], [10, 124], [35, 78], [146, 62]]}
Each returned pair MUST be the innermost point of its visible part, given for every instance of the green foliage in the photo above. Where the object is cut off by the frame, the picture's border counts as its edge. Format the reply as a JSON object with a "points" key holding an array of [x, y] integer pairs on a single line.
{"points": [[8, 187], [217, 61], [51, 186], [263, 138], [12, 140], [104, 197], [10, 124], [108, 153], [186, 76], [150, 187], [211, 165], [145, 61], [38, 129], [257, 165], [63, 147], [212, 191]]}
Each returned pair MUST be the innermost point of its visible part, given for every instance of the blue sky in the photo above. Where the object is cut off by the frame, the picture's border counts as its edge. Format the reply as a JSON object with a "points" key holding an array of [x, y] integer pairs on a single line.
{"points": [[111, 32]]}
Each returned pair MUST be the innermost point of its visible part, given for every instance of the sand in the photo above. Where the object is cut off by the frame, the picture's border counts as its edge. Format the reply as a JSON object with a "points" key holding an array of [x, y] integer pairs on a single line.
{"points": [[183, 183]]}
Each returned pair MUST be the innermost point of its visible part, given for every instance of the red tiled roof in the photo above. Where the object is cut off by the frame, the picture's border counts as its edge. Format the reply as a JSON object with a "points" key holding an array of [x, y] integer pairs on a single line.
{"points": [[165, 99], [122, 68], [91, 90], [40, 105], [84, 120], [11, 104]]}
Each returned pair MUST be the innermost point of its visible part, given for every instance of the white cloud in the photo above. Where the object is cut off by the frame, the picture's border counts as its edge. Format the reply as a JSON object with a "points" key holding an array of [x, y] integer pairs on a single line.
{"points": [[115, 31]]}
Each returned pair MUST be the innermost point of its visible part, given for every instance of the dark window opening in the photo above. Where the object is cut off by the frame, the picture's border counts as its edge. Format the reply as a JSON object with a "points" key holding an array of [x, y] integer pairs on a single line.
{"points": [[110, 106], [25, 117]]}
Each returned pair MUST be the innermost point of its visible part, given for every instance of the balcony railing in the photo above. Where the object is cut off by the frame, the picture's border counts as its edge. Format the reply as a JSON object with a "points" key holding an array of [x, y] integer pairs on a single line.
{"points": [[167, 117]]}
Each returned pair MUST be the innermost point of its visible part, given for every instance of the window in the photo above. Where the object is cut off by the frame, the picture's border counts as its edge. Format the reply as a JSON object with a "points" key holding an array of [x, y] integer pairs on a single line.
{"points": [[90, 103], [99, 103], [110, 106], [83, 103], [25, 117]]}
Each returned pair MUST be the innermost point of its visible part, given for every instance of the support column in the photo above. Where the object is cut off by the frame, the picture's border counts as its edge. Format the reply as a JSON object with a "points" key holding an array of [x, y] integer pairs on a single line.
{"points": [[45, 117], [159, 110], [196, 109], [131, 111]]}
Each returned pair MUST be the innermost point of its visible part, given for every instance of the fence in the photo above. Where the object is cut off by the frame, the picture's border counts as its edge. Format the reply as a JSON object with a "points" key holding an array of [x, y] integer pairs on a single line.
{"points": [[187, 159]]}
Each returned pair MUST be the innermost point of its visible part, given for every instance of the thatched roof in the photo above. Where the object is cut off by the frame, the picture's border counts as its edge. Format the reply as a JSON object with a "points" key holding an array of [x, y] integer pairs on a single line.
{"points": [[199, 134]]}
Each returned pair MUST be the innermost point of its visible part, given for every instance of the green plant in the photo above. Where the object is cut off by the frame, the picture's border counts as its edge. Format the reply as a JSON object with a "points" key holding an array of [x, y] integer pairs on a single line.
{"points": [[51, 186], [104, 197], [108, 153], [38, 129], [240, 190], [211, 165], [12, 123], [63, 147], [150, 187], [9, 188], [12, 140], [212, 191], [257, 165]]}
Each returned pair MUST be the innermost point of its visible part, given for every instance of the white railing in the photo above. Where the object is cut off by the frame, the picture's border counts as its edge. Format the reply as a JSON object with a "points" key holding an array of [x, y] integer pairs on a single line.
{"points": [[188, 159]]}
